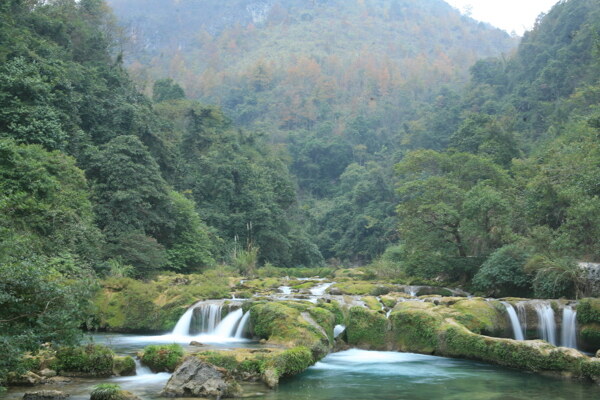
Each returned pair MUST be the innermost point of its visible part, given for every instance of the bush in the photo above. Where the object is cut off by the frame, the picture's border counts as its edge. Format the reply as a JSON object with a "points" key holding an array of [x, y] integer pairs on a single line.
{"points": [[92, 359], [162, 358], [106, 391], [555, 278], [503, 273]]}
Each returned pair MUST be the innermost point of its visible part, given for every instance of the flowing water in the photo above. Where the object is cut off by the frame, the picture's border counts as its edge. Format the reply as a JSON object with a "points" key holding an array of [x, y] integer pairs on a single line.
{"points": [[514, 321], [546, 322], [358, 374], [568, 334]]}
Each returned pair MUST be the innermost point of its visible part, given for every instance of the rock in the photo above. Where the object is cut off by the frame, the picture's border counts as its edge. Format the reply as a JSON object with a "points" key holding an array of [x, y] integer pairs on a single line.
{"points": [[195, 343], [598, 354], [196, 378], [45, 395], [59, 380], [263, 341], [27, 379], [270, 377], [48, 373], [123, 366]]}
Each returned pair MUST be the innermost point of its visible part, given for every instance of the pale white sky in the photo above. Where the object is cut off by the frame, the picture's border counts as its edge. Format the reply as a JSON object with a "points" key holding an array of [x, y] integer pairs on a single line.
{"points": [[510, 15]]}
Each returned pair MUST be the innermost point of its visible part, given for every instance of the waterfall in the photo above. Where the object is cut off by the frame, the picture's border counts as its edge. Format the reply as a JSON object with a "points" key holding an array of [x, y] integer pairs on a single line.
{"points": [[241, 329], [285, 289], [412, 290], [227, 327], [203, 322], [514, 320], [338, 330], [546, 324], [568, 334], [141, 370], [522, 313], [182, 328]]}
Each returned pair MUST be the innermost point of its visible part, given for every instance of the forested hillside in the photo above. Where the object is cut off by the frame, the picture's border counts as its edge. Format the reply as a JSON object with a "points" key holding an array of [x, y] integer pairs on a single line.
{"points": [[343, 84]]}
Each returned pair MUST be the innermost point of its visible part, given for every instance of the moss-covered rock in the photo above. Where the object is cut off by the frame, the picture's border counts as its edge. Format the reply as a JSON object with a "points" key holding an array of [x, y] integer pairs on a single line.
{"points": [[481, 316], [92, 360], [128, 305], [353, 288], [415, 327], [588, 319], [372, 303], [366, 329], [282, 323], [123, 366], [162, 358]]}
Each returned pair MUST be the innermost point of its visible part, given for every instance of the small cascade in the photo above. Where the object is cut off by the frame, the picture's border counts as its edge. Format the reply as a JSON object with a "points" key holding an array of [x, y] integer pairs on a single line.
{"points": [[514, 320], [522, 314], [411, 290], [285, 289], [320, 289], [546, 322], [242, 326], [227, 327], [568, 332], [140, 369], [338, 330], [182, 328], [206, 318]]}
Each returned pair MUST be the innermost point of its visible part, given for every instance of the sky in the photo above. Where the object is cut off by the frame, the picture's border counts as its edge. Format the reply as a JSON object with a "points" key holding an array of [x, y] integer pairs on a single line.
{"points": [[510, 15]]}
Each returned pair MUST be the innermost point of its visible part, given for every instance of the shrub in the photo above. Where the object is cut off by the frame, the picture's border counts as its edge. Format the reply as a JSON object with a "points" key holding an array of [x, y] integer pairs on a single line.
{"points": [[90, 359], [106, 391], [503, 273], [161, 358]]}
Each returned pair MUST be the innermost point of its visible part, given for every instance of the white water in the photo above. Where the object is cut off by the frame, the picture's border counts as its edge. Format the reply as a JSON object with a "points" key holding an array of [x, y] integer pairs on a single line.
{"points": [[239, 333], [338, 330], [182, 328], [546, 324], [568, 334], [514, 320], [320, 289], [522, 313], [411, 290], [285, 289]]}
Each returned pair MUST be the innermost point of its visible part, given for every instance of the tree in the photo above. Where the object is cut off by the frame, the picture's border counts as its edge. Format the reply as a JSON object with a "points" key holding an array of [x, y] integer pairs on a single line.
{"points": [[167, 89]]}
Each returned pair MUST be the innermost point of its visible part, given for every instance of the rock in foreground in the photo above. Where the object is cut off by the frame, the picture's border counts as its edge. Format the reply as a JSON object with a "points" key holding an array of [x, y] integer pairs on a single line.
{"points": [[196, 378]]}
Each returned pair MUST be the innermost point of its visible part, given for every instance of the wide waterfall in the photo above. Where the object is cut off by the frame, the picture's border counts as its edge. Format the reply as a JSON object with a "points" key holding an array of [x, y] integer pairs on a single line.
{"points": [[204, 322], [514, 320], [568, 333], [546, 322]]}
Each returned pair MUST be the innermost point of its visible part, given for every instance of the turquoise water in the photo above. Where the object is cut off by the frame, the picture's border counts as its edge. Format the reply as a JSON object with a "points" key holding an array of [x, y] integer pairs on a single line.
{"points": [[358, 374], [361, 375]]}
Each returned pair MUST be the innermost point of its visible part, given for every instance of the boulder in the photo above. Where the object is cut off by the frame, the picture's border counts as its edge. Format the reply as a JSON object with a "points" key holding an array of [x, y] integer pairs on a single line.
{"points": [[48, 373], [195, 343], [598, 354], [27, 379], [45, 395], [196, 378]]}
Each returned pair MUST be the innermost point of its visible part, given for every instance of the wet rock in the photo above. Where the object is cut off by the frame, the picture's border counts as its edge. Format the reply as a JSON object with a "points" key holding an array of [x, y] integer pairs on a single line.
{"points": [[45, 395], [27, 379], [196, 378], [48, 373], [58, 380], [195, 343]]}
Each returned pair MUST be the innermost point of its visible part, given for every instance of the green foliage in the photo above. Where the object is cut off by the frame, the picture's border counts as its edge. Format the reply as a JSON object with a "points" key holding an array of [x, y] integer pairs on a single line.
{"points": [[366, 328], [503, 274], [106, 391], [555, 278], [162, 358], [41, 300], [167, 89], [123, 366], [293, 361], [588, 311], [93, 359]]}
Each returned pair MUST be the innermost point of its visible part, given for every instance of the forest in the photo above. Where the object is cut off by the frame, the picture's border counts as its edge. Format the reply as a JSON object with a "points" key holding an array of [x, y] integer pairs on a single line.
{"points": [[398, 138]]}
